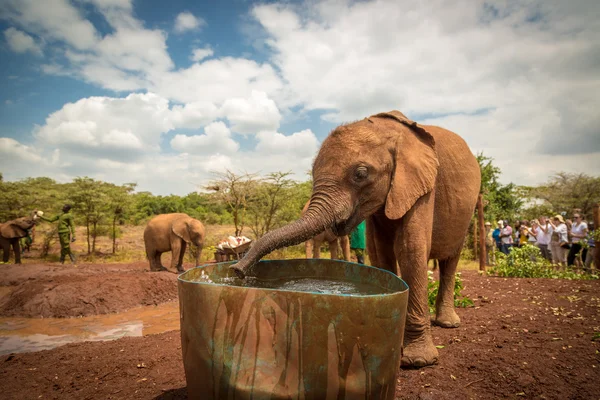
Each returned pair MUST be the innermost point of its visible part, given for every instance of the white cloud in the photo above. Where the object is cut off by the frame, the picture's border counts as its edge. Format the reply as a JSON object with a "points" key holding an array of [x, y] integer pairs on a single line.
{"points": [[20, 42], [256, 113], [217, 80], [301, 144], [216, 139], [116, 128], [12, 151], [201, 53], [56, 20], [186, 21]]}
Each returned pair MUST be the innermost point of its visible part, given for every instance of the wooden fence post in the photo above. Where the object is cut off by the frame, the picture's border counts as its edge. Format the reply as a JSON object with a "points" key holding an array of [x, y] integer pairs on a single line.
{"points": [[480, 220]]}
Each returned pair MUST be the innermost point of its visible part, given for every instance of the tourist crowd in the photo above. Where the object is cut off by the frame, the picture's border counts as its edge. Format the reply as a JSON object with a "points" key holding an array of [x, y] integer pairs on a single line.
{"points": [[563, 242]]}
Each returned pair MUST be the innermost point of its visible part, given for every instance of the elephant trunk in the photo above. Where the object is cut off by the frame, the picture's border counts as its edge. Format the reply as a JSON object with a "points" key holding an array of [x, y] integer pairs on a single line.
{"points": [[318, 217]]}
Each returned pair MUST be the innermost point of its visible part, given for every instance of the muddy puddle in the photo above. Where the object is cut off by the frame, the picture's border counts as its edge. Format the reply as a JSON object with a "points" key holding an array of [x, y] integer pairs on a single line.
{"points": [[20, 335]]}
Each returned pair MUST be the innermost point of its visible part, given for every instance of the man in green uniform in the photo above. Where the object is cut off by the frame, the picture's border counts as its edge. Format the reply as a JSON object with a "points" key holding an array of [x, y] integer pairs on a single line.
{"points": [[66, 232], [357, 242]]}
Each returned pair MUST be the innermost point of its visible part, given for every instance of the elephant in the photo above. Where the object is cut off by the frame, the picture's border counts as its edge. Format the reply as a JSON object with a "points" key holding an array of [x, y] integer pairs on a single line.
{"points": [[172, 232], [11, 233], [417, 187], [313, 245]]}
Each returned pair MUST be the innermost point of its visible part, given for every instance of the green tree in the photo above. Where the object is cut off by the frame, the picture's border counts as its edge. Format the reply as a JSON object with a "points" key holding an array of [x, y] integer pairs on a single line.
{"points": [[234, 190], [90, 201], [266, 202], [119, 208], [500, 201], [565, 192]]}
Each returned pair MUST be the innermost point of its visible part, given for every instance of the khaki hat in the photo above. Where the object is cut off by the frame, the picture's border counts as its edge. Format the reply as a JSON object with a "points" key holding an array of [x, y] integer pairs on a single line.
{"points": [[488, 223], [560, 218], [501, 223]]}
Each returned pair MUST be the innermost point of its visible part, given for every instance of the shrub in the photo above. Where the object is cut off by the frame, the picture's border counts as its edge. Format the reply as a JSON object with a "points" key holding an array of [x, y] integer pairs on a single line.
{"points": [[527, 262], [433, 286]]}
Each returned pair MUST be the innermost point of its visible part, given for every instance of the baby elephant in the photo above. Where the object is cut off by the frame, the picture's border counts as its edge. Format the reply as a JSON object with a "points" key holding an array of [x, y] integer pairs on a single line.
{"points": [[172, 232]]}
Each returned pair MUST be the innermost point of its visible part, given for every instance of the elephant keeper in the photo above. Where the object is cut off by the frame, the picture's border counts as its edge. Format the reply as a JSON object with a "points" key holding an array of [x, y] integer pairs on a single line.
{"points": [[66, 232], [357, 242]]}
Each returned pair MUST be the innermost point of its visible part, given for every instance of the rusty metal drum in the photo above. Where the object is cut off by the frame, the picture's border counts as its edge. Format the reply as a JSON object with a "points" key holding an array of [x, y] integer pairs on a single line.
{"points": [[262, 343]]}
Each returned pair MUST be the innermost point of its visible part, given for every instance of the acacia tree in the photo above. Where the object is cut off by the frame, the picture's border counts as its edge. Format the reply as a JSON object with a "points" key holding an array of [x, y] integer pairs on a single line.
{"points": [[234, 190], [90, 201], [267, 202], [119, 208]]}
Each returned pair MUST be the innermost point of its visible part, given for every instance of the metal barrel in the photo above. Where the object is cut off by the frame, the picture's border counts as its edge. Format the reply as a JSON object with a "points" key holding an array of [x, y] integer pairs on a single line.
{"points": [[255, 343]]}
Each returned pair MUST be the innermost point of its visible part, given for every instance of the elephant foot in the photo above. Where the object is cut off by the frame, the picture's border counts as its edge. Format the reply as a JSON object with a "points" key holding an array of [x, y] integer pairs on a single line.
{"points": [[446, 317], [180, 269], [159, 269], [418, 351]]}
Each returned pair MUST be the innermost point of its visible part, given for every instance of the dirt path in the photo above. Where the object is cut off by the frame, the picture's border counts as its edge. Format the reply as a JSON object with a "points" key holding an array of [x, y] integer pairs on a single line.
{"points": [[55, 290], [526, 338]]}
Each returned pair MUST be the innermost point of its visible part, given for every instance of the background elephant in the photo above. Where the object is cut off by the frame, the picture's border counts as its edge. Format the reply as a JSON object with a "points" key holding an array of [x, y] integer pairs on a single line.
{"points": [[172, 232], [11, 233], [417, 187], [313, 246]]}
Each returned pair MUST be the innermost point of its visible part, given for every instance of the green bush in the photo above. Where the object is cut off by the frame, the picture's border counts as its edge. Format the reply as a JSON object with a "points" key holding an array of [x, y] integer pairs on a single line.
{"points": [[460, 300], [527, 262]]}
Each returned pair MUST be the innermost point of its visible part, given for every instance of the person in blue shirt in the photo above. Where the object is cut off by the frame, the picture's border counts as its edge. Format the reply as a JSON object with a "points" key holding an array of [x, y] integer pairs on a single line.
{"points": [[496, 234]]}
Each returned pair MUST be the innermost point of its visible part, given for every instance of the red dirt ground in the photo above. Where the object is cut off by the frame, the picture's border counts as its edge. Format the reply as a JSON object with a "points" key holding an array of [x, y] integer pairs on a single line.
{"points": [[55, 290], [526, 338]]}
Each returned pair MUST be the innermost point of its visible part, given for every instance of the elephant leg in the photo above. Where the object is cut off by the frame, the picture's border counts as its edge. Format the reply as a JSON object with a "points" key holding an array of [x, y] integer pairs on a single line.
{"points": [[412, 249], [446, 316], [309, 248], [175, 252], [345, 245], [317, 248], [333, 249], [181, 255], [17, 249], [5, 250], [198, 255], [380, 244], [155, 263]]}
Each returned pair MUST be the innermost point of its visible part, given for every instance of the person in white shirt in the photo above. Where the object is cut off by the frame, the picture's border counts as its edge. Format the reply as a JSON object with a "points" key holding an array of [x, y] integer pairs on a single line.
{"points": [[579, 231], [542, 230], [506, 238], [559, 240]]}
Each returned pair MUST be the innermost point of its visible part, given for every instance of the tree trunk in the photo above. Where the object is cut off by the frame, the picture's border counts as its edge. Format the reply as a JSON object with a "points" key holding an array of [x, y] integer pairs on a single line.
{"points": [[87, 228], [480, 218], [475, 239], [94, 234], [596, 212], [114, 231]]}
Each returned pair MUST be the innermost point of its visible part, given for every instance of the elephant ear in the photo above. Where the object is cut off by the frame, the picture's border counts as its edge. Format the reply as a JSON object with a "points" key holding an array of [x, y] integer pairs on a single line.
{"points": [[180, 227], [9, 230], [416, 166]]}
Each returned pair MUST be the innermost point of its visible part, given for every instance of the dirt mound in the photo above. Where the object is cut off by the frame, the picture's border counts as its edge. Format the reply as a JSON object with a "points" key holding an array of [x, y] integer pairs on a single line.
{"points": [[526, 338], [67, 291]]}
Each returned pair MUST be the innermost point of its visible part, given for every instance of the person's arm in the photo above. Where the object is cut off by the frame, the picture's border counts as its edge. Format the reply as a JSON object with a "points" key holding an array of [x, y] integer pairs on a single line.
{"points": [[51, 219], [581, 235], [543, 228]]}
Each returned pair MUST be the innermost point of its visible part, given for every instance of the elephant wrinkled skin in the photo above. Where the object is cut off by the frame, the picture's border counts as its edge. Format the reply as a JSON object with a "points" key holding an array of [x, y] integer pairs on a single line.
{"points": [[416, 186], [172, 232], [313, 245]]}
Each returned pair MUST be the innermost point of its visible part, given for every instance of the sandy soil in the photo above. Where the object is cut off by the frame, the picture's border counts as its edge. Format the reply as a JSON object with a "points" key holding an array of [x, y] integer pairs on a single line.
{"points": [[526, 338]]}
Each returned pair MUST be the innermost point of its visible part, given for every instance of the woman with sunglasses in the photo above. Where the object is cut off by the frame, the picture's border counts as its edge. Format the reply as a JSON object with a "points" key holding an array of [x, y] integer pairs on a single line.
{"points": [[578, 233]]}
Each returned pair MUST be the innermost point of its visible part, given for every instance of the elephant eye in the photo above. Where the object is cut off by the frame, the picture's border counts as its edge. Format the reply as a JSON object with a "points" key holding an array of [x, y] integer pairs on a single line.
{"points": [[361, 173]]}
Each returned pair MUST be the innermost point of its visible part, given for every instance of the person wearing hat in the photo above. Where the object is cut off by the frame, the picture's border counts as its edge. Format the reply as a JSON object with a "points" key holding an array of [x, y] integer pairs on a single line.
{"points": [[559, 241], [490, 245], [579, 230]]}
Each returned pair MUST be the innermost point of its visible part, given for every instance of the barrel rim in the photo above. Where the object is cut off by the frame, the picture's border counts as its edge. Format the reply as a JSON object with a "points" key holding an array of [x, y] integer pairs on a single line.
{"points": [[403, 290]]}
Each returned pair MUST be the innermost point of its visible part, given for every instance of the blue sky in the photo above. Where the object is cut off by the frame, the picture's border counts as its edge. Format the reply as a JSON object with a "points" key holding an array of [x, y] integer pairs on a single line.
{"points": [[165, 93]]}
